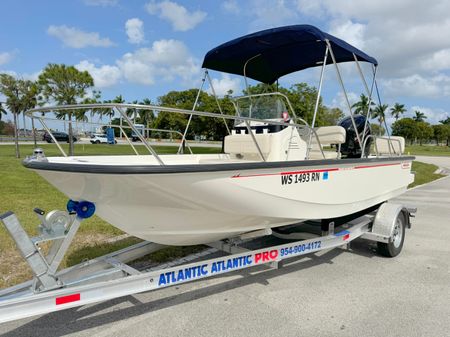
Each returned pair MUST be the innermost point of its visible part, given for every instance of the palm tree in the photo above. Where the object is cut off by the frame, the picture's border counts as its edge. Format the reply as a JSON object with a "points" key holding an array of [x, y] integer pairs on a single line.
{"points": [[132, 111], [20, 97], [419, 116], [146, 116], [110, 112], [94, 99], [2, 110], [362, 107], [380, 113], [397, 110]]}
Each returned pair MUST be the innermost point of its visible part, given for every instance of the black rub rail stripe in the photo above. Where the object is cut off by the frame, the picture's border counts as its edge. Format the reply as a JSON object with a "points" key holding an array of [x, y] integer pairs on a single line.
{"points": [[159, 169]]}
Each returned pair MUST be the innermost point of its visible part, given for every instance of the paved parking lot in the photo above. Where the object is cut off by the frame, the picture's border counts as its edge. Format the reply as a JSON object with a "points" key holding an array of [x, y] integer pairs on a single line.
{"points": [[332, 293]]}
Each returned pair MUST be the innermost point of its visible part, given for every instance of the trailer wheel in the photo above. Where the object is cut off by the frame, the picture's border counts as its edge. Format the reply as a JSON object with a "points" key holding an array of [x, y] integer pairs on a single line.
{"points": [[395, 244]]}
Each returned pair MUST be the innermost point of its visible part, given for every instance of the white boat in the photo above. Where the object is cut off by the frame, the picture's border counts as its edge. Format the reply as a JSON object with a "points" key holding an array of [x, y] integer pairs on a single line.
{"points": [[274, 170]]}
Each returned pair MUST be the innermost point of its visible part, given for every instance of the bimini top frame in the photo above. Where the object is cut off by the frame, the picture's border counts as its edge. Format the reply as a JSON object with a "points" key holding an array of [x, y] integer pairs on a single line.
{"points": [[267, 55]]}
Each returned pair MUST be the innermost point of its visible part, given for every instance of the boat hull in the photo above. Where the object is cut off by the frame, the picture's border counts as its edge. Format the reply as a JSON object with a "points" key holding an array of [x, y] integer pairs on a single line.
{"points": [[186, 208]]}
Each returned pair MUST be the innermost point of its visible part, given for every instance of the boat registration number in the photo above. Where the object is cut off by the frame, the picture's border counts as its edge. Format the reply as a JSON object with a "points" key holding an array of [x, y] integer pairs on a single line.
{"points": [[300, 178]]}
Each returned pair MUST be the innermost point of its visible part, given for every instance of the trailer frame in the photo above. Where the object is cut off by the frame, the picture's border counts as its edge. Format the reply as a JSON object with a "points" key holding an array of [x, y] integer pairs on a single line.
{"points": [[110, 276]]}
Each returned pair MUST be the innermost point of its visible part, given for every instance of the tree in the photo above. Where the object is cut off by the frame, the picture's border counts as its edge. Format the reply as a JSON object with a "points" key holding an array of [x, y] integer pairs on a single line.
{"points": [[405, 127], [109, 112], [131, 112], [397, 110], [80, 114], [446, 122], [64, 85], [20, 97], [441, 132], [303, 100], [362, 107], [2, 110], [380, 113], [419, 116], [7, 128], [331, 116], [146, 116], [30, 92], [211, 128], [377, 130], [424, 132]]}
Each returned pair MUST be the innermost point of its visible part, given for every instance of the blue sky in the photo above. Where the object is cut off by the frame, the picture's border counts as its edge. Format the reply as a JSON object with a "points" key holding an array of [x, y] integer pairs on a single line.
{"points": [[146, 48]]}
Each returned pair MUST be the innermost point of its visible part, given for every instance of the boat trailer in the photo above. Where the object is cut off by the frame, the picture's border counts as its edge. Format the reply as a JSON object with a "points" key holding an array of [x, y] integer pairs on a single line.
{"points": [[110, 276]]}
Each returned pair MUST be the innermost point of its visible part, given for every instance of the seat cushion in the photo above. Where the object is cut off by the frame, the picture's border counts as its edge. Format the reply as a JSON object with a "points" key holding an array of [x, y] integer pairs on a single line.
{"points": [[397, 145], [244, 144], [329, 135]]}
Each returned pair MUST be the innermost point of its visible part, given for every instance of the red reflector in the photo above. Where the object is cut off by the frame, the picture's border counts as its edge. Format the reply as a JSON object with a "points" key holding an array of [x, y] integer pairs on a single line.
{"points": [[346, 236], [67, 299]]}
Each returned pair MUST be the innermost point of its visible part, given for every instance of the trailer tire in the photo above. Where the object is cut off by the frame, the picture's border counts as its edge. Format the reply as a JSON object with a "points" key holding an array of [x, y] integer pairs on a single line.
{"points": [[395, 244]]}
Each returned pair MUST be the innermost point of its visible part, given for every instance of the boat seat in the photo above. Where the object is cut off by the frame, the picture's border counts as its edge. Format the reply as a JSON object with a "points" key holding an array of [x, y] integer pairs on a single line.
{"points": [[316, 154], [277, 146], [243, 144], [397, 145], [327, 135]]}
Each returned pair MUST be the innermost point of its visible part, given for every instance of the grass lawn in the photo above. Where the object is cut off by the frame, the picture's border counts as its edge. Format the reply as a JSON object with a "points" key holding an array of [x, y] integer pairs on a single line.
{"points": [[424, 173], [22, 189], [427, 150]]}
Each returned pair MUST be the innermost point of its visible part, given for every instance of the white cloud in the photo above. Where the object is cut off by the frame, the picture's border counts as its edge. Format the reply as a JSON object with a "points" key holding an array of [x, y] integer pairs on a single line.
{"points": [[419, 86], [76, 38], [310, 8], [102, 3], [226, 83], [5, 57], [231, 6], [26, 76], [104, 76], [433, 115], [392, 31], [9, 72], [409, 38], [180, 18], [340, 102], [271, 13], [350, 32], [165, 60], [135, 31], [440, 60], [31, 76]]}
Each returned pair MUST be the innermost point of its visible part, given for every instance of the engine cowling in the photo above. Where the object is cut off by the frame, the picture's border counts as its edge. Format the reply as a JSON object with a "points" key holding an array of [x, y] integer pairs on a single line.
{"points": [[351, 147]]}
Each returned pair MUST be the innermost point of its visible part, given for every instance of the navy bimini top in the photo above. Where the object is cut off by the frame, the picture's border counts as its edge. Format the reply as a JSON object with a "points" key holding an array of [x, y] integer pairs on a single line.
{"points": [[280, 51]]}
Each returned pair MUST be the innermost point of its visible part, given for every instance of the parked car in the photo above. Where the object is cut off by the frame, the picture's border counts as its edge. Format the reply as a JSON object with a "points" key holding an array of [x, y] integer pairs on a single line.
{"points": [[59, 136], [98, 138]]}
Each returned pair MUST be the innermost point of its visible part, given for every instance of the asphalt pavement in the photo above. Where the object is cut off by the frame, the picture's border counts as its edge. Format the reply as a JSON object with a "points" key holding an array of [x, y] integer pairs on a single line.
{"points": [[338, 292]]}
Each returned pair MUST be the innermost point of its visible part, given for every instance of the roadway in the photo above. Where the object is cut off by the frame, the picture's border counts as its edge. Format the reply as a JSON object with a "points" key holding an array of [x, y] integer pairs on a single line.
{"points": [[333, 293]]}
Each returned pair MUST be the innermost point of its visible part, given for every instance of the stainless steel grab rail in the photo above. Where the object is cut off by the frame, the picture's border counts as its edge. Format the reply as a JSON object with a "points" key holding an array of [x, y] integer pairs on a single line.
{"points": [[120, 108]]}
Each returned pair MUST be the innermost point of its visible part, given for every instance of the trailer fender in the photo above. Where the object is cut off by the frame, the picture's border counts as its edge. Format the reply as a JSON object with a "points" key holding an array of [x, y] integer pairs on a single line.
{"points": [[385, 219]]}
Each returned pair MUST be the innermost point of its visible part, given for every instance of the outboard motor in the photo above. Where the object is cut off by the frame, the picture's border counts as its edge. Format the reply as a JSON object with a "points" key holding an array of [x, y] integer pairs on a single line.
{"points": [[351, 148]]}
